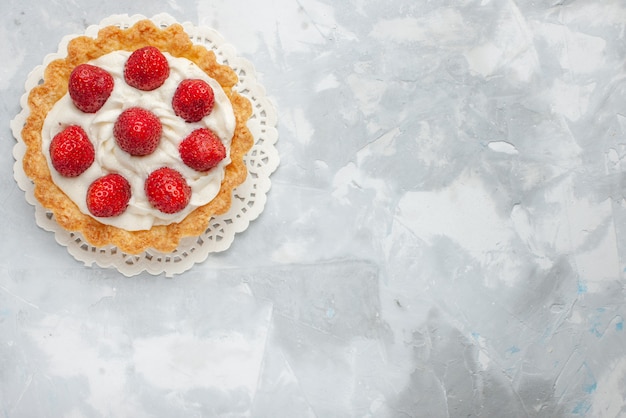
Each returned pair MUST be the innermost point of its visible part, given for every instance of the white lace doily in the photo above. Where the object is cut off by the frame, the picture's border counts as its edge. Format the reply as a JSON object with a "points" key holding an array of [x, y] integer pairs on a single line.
{"points": [[248, 199]]}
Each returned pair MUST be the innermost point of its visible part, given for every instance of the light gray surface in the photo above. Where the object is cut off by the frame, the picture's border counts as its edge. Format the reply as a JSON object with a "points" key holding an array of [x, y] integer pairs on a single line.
{"points": [[445, 235]]}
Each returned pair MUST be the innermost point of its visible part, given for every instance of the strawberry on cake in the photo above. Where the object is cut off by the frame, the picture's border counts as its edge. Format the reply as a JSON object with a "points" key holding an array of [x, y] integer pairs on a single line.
{"points": [[136, 139]]}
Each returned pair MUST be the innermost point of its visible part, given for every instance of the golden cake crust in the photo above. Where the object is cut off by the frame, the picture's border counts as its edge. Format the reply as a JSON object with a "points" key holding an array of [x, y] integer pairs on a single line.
{"points": [[176, 41]]}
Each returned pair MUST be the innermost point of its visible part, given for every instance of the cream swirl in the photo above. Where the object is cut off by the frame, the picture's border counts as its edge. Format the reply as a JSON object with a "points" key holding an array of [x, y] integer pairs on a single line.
{"points": [[140, 215]]}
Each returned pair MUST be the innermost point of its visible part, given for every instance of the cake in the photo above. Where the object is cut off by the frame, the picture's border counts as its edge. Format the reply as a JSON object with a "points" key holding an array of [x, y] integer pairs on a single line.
{"points": [[137, 138]]}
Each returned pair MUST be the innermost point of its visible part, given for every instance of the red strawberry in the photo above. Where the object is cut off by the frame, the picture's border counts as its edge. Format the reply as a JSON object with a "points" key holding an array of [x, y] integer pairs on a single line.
{"points": [[167, 190], [146, 69], [137, 131], [71, 151], [89, 87], [193, 100], [202, 150], [108, 196]]}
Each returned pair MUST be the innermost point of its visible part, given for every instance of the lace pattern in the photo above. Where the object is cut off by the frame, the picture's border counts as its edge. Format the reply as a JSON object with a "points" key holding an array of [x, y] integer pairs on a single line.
{"points": [[249, 198]]}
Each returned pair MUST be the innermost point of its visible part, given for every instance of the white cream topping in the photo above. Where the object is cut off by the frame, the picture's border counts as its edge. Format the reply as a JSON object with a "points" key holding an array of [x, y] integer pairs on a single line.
{"points": [[140, 214]]}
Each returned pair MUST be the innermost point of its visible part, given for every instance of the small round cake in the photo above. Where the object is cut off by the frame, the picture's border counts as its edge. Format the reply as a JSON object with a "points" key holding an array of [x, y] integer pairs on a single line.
{"points": [[136, 138]]}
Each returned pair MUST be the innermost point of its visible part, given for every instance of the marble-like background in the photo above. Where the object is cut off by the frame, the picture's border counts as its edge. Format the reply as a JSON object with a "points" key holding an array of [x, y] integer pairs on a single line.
{"points": [[445, 236]]}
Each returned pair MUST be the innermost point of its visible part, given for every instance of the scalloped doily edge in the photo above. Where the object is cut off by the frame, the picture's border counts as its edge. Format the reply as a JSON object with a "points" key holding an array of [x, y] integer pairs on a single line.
{"points": [[187, 254]]}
